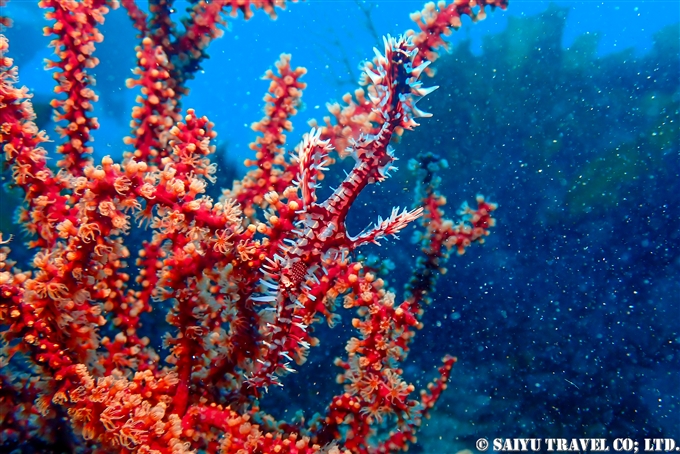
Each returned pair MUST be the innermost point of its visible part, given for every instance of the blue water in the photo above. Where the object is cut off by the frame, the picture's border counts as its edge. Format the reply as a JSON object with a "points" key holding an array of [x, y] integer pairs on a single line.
{"points": [[567, 321], [319, 35]]}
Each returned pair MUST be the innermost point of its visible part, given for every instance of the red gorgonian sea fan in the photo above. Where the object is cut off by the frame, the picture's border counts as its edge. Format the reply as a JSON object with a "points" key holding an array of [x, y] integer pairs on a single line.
{"points": [[244, 278]]}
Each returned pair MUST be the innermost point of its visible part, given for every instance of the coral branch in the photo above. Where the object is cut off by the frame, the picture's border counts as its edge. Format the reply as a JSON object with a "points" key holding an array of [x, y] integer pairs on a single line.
{"points": [[437, 21], [74, 27]]}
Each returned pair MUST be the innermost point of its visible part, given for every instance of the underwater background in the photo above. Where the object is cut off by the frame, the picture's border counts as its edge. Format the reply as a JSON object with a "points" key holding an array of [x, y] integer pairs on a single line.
{"points": [[566, 322]]}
